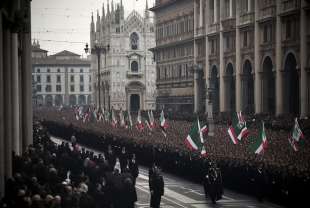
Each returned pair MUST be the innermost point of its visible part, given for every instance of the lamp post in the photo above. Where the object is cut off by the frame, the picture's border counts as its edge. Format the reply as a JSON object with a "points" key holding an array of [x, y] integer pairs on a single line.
{"points": [[98, 49]]}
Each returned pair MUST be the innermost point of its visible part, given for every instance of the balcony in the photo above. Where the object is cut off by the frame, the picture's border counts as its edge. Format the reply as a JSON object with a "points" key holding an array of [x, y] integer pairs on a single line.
{"points": [[267, 12], [246, 18], [229, 24], [213, 28], [289, 6], [200, 32], [131, 74]]}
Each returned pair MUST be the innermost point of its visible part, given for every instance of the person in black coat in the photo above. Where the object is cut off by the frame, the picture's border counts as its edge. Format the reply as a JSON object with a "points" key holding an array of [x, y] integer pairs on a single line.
{"points": [[133, 168], [156, 184], [123, 159], [111, 158]]}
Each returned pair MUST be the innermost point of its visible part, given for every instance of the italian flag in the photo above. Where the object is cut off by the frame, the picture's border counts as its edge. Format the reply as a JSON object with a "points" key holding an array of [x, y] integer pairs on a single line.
{"points": [[194, 140], [113, 118], [293, 144], [139, 124], [151, 119], [260, 143], [297, 133], [237, 130], [163, 123], [122, 119]]}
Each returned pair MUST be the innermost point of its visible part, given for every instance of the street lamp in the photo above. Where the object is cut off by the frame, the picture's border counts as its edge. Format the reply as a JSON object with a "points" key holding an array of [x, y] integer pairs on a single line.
{"points": [[98, 49]]}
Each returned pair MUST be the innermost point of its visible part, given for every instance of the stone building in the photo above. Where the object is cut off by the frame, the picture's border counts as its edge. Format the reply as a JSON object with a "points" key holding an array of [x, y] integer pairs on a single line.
{"points": [[127, 69], [60, 79], [256, 52], [15, 83]]}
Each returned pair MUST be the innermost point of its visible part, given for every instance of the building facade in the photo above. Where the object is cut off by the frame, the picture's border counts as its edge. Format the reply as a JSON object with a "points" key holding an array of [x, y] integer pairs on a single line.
{"points": [[60, 79], [257, 55], [174, 54], [127, 69]]}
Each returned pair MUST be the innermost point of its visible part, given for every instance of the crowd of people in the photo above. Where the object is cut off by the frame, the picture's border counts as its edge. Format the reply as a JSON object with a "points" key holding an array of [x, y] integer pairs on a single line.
{"points": [[287, 172], [48, 175]]}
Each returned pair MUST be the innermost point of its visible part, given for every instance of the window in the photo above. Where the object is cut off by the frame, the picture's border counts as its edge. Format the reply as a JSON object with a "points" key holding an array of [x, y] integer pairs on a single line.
{"points": [[89, 88], [39, 78], [89, 78], [48, 88], [245, 39], [81, 78], [48, 70], [72, 78], [58, 70], [81, 70], [48, 78], [58, 88], [39, 88], [134, 39], [288, 30], [38, 70], [58, 79], [71, 70], [72, 88], [81, 88], [134, 66]]}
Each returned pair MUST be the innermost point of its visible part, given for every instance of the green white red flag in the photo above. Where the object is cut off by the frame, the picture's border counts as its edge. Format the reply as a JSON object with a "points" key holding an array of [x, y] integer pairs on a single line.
{"points": [[295, 136], [139, 124], [237, 129], [260, 144], [194, 140]]}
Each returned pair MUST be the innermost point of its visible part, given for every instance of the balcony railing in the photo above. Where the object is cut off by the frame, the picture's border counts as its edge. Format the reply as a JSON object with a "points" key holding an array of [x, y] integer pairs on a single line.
{"points": [[229, 24], [290, 5], [200, 31], [246, 18], [267, 12], [131, 74], [213, 28]]}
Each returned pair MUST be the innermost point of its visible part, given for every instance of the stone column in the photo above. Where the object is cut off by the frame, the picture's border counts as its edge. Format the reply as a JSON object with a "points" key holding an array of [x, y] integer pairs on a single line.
{"points": [[222, 84], [2, 161], [196, 87], [26, 90], [257, 62], [238, 63], [279, 73], [304, 106], [215, 10], [15, 94], [249, 5], [200, 13], [207, 64], [230, 8], [7, 103]]}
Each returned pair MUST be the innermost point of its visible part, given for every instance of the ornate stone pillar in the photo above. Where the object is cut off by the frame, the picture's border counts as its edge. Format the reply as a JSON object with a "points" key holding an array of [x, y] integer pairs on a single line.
{"points": [[238, 63], [304, 105], [2, 161], [7, 103], [257, 62], [279, 74]]}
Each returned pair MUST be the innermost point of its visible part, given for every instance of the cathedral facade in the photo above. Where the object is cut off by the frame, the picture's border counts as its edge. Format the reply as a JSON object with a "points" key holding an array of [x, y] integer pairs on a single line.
{"points": [[126, 75]]}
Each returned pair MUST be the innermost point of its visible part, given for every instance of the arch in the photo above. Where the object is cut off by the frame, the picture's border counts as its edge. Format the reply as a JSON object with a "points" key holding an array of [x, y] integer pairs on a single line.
{"points": [[291, 91], [81, 100], [215, 85], [135, 85], [247, 87], [40, 100], [134, 66], [134, 41], [58, 100], [88, 99], [49, 100], [269, 89], [134, 102], [72, 100], [230, 94]]}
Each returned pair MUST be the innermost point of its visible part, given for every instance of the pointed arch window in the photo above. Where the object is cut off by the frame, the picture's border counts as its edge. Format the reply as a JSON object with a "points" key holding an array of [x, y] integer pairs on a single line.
{"points": [[134, 41]]}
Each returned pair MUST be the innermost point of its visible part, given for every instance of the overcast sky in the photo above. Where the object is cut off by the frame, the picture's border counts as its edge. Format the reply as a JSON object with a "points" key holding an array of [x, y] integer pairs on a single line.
{"points": [[64, 24]]}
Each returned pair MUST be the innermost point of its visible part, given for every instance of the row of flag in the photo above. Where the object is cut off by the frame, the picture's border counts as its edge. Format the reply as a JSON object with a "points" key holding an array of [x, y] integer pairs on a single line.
{"points": [[237, 131], [122, 120]]}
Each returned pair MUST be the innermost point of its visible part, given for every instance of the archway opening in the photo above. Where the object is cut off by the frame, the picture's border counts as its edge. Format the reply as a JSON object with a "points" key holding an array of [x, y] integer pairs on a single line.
{"points": [[291, 86], [269, 89], [82, 100], [72, 100], [134, 102], [58, 100], [214, 82], [248, 88], [230, 88], [49, 100]]}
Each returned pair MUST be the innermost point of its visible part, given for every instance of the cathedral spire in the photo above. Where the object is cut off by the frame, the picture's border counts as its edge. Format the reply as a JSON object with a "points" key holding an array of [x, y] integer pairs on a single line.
{"points": [[98, 22], [108, 9], [103, 11], [112, 7], [92, 24], [146, 12]]}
